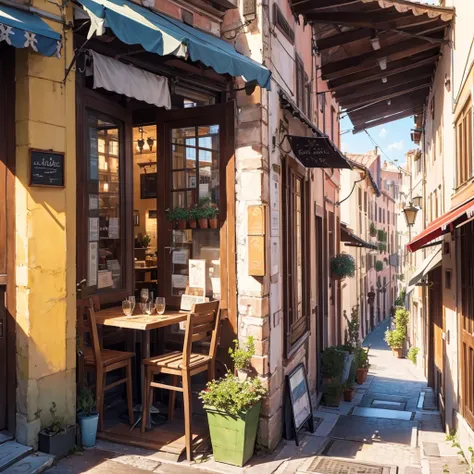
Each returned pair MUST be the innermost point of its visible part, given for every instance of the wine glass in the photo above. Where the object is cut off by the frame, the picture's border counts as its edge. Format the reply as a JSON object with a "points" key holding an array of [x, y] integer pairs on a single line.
{"points": [[144, 295], [127, 307], [132, 300], [160, 305]]}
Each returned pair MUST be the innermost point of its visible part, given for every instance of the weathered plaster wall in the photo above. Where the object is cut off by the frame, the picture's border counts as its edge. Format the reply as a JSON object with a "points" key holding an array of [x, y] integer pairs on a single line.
{"points": [[45, 241]]}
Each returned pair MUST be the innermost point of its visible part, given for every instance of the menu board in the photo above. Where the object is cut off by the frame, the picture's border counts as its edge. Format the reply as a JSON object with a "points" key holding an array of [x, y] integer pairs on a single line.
{"points": [[46, 168]]}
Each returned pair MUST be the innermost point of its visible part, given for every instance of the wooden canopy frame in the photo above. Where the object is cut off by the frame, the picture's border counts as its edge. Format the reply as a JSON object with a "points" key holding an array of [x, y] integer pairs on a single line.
{"points": [[356, 38]]}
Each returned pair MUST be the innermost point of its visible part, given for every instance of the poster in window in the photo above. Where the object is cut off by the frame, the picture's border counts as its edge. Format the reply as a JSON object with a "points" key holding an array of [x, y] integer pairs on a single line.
{"points": [[180, 257], [93, 229], [104, 279], [179, 281], [93, 264], [93, 202], [93, 155], [113, 228], [114, 267], [197, 274]]}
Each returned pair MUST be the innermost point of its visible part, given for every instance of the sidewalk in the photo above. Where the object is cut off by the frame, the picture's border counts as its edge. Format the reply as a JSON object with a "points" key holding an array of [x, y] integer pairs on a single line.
{"points": [[384, 430]]}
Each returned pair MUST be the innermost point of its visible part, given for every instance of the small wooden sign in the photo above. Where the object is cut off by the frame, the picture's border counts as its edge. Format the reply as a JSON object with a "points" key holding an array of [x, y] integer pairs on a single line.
{"points": [[256, 220], [46, 168], [256, 249]]}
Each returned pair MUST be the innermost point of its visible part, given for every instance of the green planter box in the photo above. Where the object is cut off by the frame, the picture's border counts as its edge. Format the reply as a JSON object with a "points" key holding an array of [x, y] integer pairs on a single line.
{"points": [[233, 437]]}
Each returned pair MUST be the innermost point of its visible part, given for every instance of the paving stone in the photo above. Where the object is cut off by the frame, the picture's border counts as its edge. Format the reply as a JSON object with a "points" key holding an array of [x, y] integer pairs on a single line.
{"points": [[32, 464], [5, 436], [11, 452], [431, 449], [382, 413]]}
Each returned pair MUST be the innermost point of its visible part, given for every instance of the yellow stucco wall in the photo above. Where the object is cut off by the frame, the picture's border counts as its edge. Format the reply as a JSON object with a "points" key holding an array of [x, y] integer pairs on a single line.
{"points": [[45, 239]]}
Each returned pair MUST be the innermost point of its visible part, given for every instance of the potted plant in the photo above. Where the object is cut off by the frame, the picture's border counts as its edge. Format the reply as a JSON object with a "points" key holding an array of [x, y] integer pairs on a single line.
{"points": [[332, 393], [179, 215], [88, 418], [233, 410], [58, 438], [332, 364], [372, 230], [193, 217], [396, 339], [342, 265], [146, 239], [362, 365], [378, 266], [212, 213], [241, 355], [348, 390]]}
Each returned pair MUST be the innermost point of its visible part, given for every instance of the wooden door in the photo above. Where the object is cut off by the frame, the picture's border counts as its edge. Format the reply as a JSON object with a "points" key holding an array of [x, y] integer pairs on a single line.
{"points": [[196, 157], [467, 322], [435, 308]]}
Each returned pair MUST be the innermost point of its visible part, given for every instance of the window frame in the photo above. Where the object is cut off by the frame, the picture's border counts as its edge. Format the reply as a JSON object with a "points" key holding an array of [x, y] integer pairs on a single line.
{"points": [[296, 329], [464, 155]]}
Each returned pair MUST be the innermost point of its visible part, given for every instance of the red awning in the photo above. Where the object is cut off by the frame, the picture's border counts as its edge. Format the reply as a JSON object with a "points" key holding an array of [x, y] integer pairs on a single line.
{"points": [[442, 225]]}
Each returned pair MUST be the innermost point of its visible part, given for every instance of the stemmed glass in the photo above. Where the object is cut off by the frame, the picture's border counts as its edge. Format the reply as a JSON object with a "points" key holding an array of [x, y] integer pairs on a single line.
{"points": [[160, 305], [127, 307], [132, 300]]}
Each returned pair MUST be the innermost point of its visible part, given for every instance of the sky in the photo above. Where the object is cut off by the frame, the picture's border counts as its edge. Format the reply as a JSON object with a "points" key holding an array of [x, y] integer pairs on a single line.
{"points": [[393, 138]]}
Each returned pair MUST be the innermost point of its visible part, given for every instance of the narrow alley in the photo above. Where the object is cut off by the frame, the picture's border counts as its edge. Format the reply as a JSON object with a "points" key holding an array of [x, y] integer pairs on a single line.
{"points": [[390, 427]]}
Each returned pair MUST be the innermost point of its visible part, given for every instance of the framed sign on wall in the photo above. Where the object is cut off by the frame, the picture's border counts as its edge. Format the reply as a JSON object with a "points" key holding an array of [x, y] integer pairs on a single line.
{"points": [[46, 168]]}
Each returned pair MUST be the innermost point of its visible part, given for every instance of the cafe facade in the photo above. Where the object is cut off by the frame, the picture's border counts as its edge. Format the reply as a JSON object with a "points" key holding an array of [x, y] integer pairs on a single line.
{"points": [[113, 129]]}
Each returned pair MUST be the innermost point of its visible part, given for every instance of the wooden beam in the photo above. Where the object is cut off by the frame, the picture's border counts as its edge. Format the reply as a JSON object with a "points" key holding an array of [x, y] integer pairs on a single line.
{"points": [[379, 19], [322, 6], [376, 99], [365, 61], [407, 113], [375, 74], [344, 38], [395, 81]]}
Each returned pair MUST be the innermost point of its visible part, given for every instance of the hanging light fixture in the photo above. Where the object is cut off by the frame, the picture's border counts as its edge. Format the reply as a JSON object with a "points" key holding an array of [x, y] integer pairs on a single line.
{"points": [[417, 200], [382, 63], [141, 141], [384, 80], [150, 143], [410, 214], [375, 42]]}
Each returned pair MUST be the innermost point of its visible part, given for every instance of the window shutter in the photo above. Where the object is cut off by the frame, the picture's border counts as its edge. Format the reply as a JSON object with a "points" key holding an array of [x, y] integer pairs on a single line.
{"points": [[249, 9], [281, 23]]}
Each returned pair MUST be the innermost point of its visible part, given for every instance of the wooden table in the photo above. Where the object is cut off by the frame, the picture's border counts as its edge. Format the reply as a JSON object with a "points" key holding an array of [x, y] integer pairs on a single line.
{"points": [[114, 317]]}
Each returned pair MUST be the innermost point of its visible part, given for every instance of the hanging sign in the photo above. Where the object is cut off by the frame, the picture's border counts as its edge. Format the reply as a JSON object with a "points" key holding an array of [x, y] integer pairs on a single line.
{"points": [[317, 152], [46, 168]]}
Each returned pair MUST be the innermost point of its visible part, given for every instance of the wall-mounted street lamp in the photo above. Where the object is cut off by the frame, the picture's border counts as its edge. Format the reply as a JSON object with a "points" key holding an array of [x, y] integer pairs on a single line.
{"points": [[410, 214], [417, 200]]}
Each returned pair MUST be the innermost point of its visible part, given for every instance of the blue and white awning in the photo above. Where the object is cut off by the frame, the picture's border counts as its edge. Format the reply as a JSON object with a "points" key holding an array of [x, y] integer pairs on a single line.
{"points": [[160, 34], [22, 29]]}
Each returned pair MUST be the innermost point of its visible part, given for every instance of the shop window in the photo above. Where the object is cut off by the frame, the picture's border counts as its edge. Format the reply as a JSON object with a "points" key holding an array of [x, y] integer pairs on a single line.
{"points": [[464, 144], [104, 185], [296, 255]]}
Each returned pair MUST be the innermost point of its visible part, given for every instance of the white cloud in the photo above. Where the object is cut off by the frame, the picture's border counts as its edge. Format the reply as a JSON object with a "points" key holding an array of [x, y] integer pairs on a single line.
{"points": [[383, 133], [396, 146]]}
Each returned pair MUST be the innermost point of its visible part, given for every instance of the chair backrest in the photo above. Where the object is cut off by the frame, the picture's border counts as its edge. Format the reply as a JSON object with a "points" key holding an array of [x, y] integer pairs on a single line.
{"points": [[202, 322], [93, 305]]}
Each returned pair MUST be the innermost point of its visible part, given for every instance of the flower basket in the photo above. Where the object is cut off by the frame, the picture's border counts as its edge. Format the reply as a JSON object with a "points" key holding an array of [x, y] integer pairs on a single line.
{"points": [[233, 436], [342, 265]]}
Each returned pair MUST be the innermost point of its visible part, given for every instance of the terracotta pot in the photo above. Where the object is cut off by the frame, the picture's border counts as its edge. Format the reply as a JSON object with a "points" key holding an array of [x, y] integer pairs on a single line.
{"points": [[397, 352], [203, 223], [361, 375], [193, 223], [182, 224], [336, 277], [214, 223], [348, 395]]}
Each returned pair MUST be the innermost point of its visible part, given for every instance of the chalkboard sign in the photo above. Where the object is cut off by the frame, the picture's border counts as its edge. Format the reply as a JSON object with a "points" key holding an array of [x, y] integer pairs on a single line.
{"points": [[298, 410], [148, 185], [46, 168], [317, 152]]}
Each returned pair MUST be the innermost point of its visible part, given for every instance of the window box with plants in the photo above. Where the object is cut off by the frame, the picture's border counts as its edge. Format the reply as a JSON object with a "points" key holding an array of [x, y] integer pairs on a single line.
{"points": [[178, 216], [88, 417], [342, 266], [233, 407], [206, 214], [372, 230], [58, 438]]}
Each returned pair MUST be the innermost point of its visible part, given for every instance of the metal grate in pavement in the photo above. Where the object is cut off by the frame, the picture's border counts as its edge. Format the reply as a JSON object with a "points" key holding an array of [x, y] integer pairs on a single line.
{"points": [[322, 465]]}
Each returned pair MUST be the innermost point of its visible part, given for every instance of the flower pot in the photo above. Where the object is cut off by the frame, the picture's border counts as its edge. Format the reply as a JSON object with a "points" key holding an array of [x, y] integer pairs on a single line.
{"points": [[58, 444], [203, 223], [233, 437], [361, 375], [397, 352], [242, 375], [214, 223], [88, 429], [182, 224], [348, 395], [193, 223]]}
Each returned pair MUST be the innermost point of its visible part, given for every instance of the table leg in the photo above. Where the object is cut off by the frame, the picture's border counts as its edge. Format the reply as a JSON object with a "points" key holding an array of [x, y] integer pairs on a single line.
{"points": [[146, 354]]}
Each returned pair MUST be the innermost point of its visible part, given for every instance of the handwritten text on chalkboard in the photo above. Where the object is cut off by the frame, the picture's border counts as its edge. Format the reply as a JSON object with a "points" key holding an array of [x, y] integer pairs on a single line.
{"points": [[47, 168]]}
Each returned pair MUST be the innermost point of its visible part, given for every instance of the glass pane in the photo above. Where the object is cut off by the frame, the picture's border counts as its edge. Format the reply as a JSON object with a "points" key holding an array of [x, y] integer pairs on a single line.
{"points": [[208, 157], [183, 157], [104, 204], [179, 180], [179, 199]]}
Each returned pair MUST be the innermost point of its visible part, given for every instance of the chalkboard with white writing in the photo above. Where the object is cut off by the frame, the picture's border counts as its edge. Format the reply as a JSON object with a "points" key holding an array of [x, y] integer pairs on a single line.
{"points": [[46, 168]]}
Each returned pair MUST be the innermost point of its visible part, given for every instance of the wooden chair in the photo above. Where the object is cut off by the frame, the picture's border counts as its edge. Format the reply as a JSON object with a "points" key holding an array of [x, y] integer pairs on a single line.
{"points": [[201, 322], [103, 361]]}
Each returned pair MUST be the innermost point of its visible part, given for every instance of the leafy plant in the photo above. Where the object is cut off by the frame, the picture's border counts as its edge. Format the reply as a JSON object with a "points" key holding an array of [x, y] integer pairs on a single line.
{"points": [[177, 213], [381, 235], [347, 385], [332, 391], [402, 316], [57, 424], [413, 354], [146, 239], [400, 301], [332, 362], [206, 209], [372, 230], [378, 266], [343, 265], [86, 402], [361, 358], [352, 332], [396, 338], [231, 395], [382, 246], [241, 355]]}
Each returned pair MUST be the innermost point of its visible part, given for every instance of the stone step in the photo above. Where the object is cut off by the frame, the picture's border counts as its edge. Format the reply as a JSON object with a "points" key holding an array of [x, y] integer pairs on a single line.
{"points": [[5, 436], [33, 464], [12, 452]]}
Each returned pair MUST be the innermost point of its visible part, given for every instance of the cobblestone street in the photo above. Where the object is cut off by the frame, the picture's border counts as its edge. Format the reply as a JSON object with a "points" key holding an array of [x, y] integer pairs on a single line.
{"points": [[386, 429]]}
